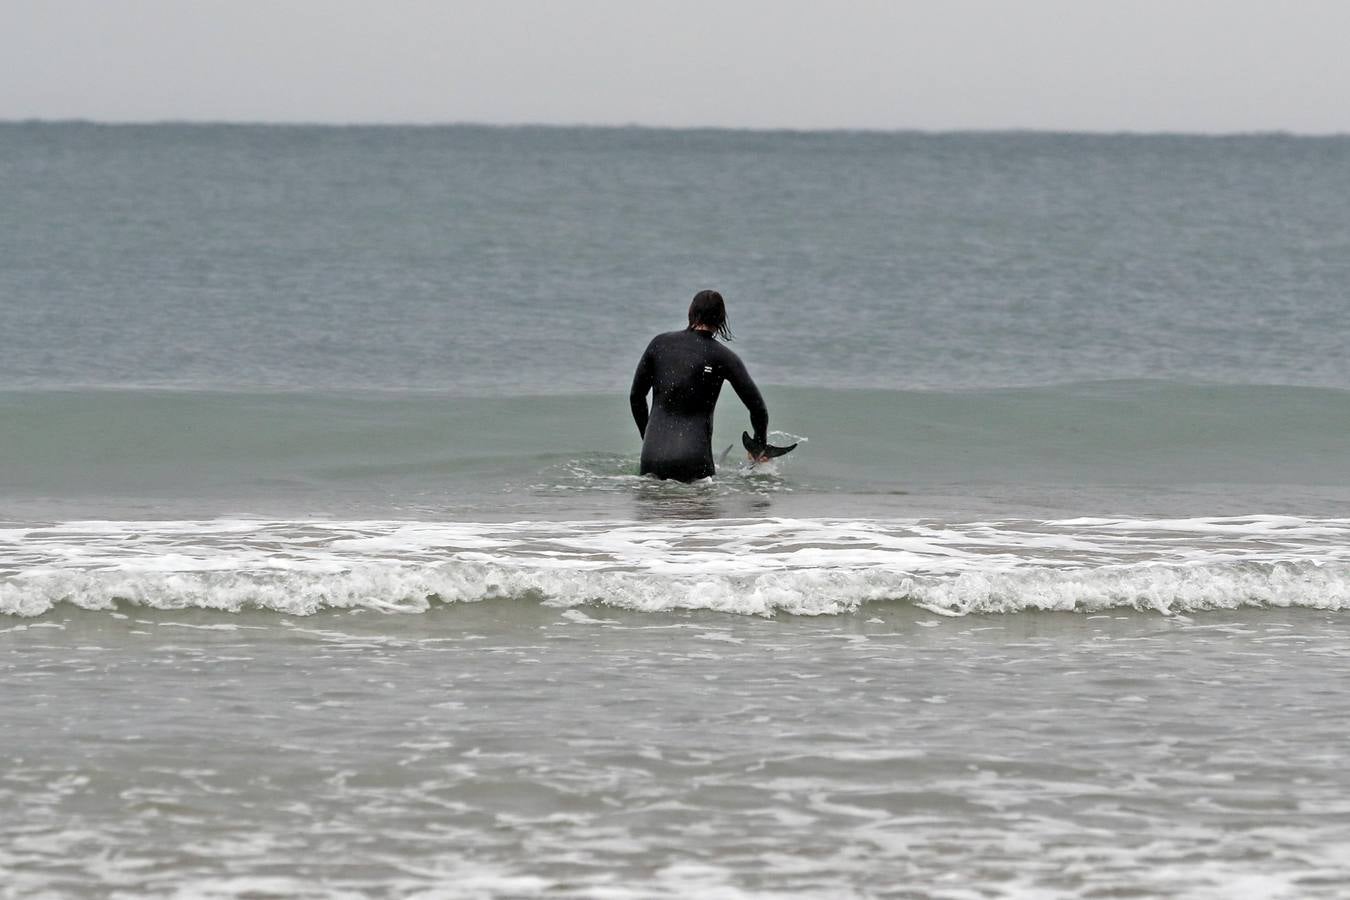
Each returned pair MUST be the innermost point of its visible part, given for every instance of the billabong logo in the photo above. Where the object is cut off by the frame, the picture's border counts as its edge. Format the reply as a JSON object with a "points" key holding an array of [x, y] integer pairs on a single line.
{"points": [[708, 369]]}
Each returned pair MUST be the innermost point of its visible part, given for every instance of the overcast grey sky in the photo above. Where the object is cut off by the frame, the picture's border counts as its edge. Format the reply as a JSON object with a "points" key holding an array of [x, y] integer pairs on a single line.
{"points": [[1136, 65]]}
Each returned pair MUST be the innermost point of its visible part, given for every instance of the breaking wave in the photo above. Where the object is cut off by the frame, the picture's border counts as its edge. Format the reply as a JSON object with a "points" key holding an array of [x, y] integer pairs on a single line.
{"points": [[746, 567]]}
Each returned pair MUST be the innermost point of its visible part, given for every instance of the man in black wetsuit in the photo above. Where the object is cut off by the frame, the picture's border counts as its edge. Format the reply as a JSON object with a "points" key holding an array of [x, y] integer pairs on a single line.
{"points": [[684, 370]]}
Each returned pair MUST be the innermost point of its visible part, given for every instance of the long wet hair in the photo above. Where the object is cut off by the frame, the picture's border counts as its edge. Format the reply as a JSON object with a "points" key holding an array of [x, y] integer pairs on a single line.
{"points": [[709, 310]]}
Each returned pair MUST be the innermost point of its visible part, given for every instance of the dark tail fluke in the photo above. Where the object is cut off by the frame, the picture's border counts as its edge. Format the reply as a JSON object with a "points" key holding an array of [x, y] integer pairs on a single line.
{"points": [[758, 449]]}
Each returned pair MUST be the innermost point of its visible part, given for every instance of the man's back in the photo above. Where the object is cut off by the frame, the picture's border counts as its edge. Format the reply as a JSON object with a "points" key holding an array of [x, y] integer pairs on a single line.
{"points": [[684, 371]]}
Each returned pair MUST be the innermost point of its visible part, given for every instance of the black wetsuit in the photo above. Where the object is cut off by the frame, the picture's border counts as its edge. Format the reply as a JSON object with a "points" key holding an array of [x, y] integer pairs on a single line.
{"points": [[684, 370]]}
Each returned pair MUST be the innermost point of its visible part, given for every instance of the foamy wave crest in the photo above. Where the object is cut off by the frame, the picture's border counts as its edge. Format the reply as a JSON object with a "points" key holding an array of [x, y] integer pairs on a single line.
{"points": [[1165, 589], [752, 567], [411, 590]]}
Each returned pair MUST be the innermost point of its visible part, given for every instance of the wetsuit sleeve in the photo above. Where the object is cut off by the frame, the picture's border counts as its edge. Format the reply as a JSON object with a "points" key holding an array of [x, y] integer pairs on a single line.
{"points": [[637, 394], [745, 389]]}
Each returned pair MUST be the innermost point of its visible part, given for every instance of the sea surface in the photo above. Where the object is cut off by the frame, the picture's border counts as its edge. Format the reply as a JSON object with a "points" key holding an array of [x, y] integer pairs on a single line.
{"points": [[325, 570]]}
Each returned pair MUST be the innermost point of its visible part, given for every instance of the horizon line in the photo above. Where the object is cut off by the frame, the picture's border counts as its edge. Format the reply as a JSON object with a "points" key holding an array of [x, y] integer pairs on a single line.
{"points": [[640, 126]]}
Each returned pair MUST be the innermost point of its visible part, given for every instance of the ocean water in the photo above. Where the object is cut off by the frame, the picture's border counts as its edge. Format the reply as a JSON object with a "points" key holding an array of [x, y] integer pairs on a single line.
{"points": [[325, 569]]}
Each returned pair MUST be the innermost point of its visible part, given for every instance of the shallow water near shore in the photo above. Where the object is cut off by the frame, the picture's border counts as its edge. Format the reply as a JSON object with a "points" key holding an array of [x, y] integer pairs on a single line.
{"points": [[325, 570], [514, 749]]}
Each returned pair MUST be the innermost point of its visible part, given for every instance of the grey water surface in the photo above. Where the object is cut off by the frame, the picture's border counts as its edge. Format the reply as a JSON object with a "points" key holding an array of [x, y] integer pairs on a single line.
{"points": [[325, 569]]}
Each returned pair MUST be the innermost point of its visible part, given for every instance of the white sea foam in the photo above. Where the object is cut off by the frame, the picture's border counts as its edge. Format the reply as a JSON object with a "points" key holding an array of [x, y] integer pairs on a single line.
{"points": [[761, 567]]}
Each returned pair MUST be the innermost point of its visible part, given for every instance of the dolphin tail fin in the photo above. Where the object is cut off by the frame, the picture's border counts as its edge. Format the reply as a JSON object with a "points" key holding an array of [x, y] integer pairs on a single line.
{"points": [[757, 448]]}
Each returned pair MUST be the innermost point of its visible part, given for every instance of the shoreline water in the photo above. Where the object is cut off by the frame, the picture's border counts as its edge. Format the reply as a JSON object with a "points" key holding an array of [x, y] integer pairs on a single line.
{"points": [[325, 570], [352, 753]]}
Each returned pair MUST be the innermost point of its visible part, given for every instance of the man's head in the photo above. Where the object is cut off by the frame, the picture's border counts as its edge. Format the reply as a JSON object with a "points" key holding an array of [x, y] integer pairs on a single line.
{"points": [[708, 312]]}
